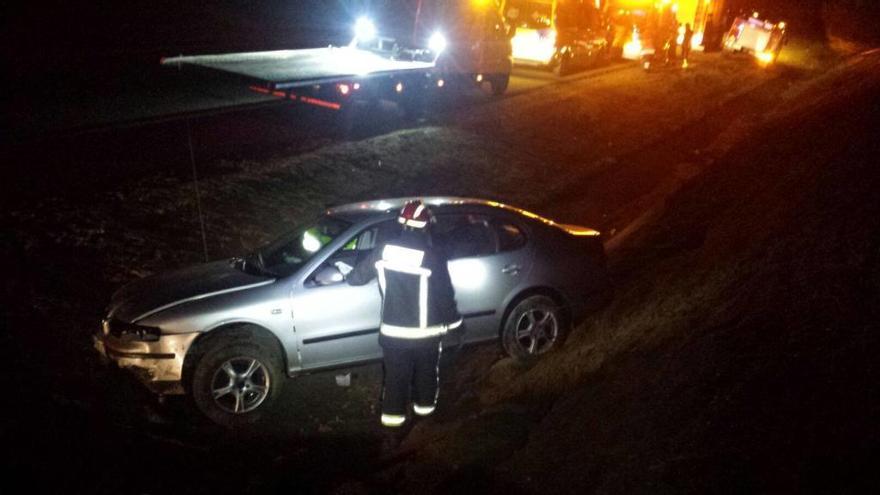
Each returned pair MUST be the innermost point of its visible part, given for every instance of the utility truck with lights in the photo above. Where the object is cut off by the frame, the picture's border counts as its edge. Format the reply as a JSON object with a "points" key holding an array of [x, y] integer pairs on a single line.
{"points": [[760, 38], [409, 72], [555, 34]]}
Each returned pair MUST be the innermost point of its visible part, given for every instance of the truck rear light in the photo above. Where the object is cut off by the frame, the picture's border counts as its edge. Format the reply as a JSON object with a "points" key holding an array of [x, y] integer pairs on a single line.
{"points": [[440, 83], [399, 87], [344, 89]]}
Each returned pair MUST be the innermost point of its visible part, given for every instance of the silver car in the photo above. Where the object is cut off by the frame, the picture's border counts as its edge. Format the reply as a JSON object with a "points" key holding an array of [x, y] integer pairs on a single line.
{"points": [[229, 332]]}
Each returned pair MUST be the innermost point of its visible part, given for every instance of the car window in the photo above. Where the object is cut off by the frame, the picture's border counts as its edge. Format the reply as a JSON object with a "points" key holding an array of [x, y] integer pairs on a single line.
{"points": [[359, 247], [289, 252], [510, 236], [463, 236]]}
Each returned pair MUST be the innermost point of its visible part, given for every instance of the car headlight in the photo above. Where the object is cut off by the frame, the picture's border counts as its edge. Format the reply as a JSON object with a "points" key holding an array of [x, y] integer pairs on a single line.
{"points": [[437, 42], [131, 331]]}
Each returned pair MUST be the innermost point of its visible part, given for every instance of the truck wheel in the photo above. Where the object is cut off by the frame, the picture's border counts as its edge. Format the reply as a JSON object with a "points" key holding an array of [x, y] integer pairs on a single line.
{"points": [[236, 380], [563, 66], [345, 119], [533, 327], [499, 83]]}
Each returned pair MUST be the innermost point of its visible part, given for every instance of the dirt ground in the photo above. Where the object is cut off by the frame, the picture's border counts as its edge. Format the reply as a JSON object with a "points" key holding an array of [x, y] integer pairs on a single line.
{"points": [[607, 152]]}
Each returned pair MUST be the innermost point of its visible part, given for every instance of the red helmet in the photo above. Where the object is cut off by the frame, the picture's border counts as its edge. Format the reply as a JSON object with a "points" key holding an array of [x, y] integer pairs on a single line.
{"points": [[415, 214]]}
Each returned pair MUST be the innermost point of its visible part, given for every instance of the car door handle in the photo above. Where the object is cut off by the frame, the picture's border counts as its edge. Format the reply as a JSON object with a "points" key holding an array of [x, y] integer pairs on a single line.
{"points": [[511, 269]]}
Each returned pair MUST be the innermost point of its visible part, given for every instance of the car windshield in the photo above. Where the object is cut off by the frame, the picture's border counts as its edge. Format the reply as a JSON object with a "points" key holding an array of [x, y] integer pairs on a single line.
{"points": [[289, 252]]}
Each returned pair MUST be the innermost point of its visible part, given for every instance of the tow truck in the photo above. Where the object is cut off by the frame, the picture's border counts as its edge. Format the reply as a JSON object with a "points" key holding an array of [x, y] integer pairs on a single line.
{"points": [[368, 69]]}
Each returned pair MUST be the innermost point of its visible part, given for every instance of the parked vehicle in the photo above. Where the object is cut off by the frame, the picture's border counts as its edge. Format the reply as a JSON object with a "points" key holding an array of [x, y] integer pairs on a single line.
{"points": [[760, 38], [229, 332], [556, 35], [453, 43]]}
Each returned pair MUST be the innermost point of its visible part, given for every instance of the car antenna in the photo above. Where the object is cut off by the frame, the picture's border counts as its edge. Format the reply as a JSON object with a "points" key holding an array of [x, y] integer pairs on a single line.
{"points": [[192, 159]]}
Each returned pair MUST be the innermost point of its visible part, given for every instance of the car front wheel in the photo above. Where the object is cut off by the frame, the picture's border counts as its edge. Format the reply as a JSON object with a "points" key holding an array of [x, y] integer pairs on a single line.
{"points": [[533, 327], [236, 381]]}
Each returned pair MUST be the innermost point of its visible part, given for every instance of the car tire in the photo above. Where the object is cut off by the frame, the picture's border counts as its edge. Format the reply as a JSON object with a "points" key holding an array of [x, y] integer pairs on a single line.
{"points": [[532, 328], [499, 83], [236, 380]]}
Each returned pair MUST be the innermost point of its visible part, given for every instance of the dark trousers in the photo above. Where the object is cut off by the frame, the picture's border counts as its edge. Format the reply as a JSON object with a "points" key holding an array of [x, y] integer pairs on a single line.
{"points": [[414, 366]]}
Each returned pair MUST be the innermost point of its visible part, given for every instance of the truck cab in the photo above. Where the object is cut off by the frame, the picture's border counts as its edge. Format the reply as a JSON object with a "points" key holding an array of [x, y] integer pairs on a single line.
{"points": [[479, 46]]}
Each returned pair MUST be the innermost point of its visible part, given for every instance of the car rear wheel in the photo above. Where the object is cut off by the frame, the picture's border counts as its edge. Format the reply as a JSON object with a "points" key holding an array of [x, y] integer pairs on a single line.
{"points": [[236, 381], [533, 327]]}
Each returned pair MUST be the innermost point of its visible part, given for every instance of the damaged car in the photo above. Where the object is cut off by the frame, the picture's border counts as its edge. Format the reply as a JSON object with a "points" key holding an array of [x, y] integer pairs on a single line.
{"points": [[230, 332]]}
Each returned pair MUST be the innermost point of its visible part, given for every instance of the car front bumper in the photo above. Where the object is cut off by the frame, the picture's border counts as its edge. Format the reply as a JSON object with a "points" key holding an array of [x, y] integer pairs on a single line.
{"points": [[158, 364]]}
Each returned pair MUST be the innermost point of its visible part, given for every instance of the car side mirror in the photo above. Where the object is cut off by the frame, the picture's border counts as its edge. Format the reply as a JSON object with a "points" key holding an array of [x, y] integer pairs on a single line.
{"points": [[328, 275]]}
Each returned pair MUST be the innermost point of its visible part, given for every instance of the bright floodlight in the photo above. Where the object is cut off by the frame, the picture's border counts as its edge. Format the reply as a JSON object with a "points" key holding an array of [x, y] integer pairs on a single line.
{"points": [[437, 42], [364, 29]]}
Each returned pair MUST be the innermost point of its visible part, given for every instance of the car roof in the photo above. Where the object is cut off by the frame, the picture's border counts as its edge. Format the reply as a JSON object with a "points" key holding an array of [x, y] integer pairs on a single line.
{"points": [[356, 212]]}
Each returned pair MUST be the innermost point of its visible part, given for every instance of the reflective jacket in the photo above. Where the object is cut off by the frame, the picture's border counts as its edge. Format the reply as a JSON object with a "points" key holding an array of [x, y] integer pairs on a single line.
{"points": [[418, 301]]}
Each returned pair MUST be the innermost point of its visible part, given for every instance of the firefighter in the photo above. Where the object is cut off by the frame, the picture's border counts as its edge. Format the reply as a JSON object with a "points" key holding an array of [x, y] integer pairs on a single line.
{"points": [[418, 308], [686, 44]]}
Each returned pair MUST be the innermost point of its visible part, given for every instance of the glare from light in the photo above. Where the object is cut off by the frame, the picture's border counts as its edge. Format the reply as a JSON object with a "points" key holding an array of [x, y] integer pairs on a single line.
{"points": [[468, 274], [534, 45], [399, 87], [765, 58], [311, 243], [344, 89], [479, 78], [632, 49], [440, 83], [364, 29], [437, 42]]}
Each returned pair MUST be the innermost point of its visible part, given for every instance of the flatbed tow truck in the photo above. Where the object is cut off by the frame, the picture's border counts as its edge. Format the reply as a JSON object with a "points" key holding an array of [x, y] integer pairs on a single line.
{"points": [[364, 72]]}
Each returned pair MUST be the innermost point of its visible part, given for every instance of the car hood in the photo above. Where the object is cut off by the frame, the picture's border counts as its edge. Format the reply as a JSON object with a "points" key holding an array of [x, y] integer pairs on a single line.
{"points": [[150, 295]]}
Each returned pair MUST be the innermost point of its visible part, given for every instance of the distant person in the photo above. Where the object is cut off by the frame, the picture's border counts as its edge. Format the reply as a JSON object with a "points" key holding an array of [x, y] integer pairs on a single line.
{"points": [[686, 44]]}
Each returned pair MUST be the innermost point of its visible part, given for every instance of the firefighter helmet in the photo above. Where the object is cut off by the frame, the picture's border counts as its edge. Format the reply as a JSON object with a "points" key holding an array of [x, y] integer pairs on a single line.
{"points": [[414, 214]]}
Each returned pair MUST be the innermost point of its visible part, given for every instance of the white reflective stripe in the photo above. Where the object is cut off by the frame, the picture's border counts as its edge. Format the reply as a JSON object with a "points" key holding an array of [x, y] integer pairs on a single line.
{"points": [[437, 371], [393, 419], [403, 255], [423, 410], [411, 332], [398, 267], [416, 224], [418, 210], [380, 269], [423, 301], [454, 324]]}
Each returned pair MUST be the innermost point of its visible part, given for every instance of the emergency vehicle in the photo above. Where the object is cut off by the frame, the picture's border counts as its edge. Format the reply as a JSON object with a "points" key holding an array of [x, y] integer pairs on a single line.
{"points": [[638, 25], [407, 70], [760, 38], [556, 34]]}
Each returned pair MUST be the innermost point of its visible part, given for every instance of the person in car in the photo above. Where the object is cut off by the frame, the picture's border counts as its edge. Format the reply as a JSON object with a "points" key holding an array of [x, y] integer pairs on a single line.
{"points": [[418, 308]]}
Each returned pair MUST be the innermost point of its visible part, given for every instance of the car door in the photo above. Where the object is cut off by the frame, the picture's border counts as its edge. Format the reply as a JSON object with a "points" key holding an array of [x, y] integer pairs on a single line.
{"points": [[338, 323], [489, 258]]}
